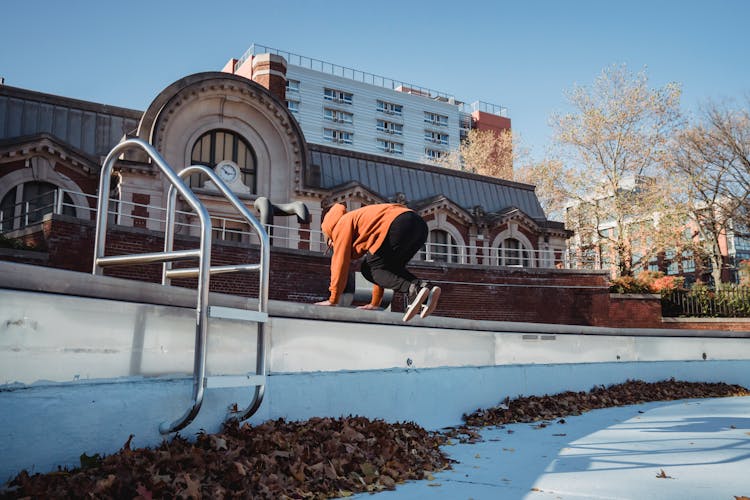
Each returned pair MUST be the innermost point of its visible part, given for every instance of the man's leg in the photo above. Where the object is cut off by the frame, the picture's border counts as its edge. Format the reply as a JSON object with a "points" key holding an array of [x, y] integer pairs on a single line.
{"points": [[387, 267]]}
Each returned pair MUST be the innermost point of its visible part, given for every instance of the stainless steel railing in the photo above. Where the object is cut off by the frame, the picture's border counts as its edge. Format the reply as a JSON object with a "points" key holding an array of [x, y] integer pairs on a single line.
{"points": [[202, 272], [262, 267], [235, 229]]}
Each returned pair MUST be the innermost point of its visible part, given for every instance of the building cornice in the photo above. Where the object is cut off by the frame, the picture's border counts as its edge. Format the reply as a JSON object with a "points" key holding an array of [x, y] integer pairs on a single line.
{"points": [[21, 148]]}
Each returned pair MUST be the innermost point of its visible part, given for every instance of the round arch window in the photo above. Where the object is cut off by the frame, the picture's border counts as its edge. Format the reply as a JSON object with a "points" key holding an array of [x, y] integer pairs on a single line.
{"points": [[29, 202], [440, 247], [217, 145], [513, 253]]}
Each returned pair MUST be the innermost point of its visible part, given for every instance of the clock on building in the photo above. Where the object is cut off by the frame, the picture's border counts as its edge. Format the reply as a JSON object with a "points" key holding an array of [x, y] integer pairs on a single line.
{"points": [[228, 171]]}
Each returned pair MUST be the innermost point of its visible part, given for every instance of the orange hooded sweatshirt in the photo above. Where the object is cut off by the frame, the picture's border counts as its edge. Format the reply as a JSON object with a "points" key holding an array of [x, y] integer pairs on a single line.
{"points": [[353, 235]]}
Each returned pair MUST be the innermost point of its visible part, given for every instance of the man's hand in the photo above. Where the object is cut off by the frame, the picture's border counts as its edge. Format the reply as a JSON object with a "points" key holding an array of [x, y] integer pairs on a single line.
{"points": [[324, 303], [369, 307]]}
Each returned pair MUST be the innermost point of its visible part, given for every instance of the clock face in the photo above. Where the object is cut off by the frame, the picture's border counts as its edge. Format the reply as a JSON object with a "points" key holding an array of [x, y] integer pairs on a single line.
{"points": [[228, 171]]}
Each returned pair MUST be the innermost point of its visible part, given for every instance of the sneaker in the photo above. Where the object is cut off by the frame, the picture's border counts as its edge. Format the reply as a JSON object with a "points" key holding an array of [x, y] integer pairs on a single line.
{"points": [[416, 304], [414, 288], [432, 302]]}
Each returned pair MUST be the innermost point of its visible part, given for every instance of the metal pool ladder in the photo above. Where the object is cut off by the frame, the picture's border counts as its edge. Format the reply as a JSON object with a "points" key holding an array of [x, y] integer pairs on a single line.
{"points": [[202, 272]]}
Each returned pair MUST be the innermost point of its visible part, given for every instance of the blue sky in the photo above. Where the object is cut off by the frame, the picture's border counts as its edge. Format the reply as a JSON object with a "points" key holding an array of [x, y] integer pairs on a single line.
{"points": [[522, 55]]}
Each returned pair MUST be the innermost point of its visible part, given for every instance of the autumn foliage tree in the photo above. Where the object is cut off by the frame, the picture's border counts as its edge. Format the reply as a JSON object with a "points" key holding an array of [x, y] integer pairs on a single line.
{"points": [[484, 152], [614, 142]]}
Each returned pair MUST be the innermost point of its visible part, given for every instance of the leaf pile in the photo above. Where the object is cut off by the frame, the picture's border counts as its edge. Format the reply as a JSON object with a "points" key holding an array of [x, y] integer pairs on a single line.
{"points": [[321, 457], [536, 408], [317, 458]]}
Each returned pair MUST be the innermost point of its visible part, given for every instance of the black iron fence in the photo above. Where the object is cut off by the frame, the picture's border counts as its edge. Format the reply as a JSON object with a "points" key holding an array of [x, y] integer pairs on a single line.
{"points": [[731, 302]]}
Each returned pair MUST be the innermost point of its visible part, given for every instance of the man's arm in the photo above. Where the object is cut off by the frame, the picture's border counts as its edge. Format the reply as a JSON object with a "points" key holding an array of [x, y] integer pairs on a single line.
{"points": [[340, 261]]}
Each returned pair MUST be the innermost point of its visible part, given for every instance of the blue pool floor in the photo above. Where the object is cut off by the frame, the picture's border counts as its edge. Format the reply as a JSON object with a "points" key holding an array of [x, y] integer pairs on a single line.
{"points": [[689, 449]]}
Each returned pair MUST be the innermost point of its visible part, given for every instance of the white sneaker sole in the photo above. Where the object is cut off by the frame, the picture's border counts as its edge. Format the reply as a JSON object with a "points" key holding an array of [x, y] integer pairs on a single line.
{"points": [[416, 305], [432, 302]]}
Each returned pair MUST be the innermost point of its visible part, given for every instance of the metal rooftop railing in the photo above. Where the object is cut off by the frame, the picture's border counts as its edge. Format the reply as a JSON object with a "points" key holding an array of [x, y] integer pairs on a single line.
{"points": [[371, 79]]}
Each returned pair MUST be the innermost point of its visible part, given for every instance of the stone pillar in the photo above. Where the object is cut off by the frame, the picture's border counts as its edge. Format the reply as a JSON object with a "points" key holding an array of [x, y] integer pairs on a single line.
{"points": [[269, 70]]}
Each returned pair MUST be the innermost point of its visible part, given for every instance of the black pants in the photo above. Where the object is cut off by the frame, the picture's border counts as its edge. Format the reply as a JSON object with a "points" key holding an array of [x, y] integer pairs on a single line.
{"points": [[387, 266]]}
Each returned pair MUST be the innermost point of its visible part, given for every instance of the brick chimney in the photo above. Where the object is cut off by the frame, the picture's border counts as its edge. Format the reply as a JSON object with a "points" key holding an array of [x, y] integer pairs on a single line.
{"points": [[269, 70]]}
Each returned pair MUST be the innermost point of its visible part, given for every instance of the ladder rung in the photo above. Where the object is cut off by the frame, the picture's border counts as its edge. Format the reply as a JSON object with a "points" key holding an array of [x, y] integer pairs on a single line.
{"points": [[239, 314], [146, 258], [223, 381], [192, 272]]}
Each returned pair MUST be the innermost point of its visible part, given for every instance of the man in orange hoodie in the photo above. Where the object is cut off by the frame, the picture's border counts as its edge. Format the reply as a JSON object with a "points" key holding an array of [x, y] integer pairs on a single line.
{"points": [[388, 235]]}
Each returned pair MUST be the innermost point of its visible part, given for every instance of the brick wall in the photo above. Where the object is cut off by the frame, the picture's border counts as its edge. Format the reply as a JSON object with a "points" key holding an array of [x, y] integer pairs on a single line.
{"points": [[724, 324], [472, 292], [634, 311], [644, 311], [475, 292]]}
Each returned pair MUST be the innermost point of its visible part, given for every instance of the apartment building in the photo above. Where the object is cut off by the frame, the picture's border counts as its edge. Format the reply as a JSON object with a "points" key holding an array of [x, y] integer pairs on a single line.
{"points": [[358, 111]]}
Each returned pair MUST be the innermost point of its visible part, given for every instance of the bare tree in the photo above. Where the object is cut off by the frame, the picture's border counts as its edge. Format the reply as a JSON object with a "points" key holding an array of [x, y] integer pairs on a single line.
{"points": [[615, 143], [549, 178], [712, 157]]}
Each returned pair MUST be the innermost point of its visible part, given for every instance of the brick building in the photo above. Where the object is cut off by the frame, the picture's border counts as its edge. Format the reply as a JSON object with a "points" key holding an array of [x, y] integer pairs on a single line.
{"points": [[262, 123]]}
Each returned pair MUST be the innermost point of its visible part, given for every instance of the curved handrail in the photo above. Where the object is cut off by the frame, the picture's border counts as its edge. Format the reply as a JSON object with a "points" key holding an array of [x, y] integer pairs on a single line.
{"points": [[204, 260], [265, 255]]}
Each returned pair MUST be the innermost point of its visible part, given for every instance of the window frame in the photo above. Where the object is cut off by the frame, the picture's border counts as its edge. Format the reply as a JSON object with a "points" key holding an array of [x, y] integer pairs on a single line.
{"points": [[17, 198], [448, 251], [338, 136], [338, 116], [391, 147], [338, 96], [522, 258], [436, 119], [389, 127], [292, 105], [436, 137], [197, 180], [389, 108]]}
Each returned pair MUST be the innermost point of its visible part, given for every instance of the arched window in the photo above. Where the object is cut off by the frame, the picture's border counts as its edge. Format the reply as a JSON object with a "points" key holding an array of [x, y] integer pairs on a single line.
{"points": [[513, 253], [217, 145], [440, 247], [29, 202]]}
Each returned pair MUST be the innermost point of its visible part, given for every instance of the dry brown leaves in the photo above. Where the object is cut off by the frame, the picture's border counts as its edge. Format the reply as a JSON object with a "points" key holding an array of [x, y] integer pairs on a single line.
{"points": [[320, 457], [317, 458], [537, 408]]}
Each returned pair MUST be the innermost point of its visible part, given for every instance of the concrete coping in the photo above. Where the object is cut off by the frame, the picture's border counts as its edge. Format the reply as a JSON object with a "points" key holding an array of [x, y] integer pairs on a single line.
{"points": [[58, 281]]}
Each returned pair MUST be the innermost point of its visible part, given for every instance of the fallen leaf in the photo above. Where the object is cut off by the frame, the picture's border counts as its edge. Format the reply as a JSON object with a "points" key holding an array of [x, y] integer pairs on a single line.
{"points": [[103, 485], [241, 470], [663, 475], [126, 446], [143, 493], [218, 443], [387, 481]]}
